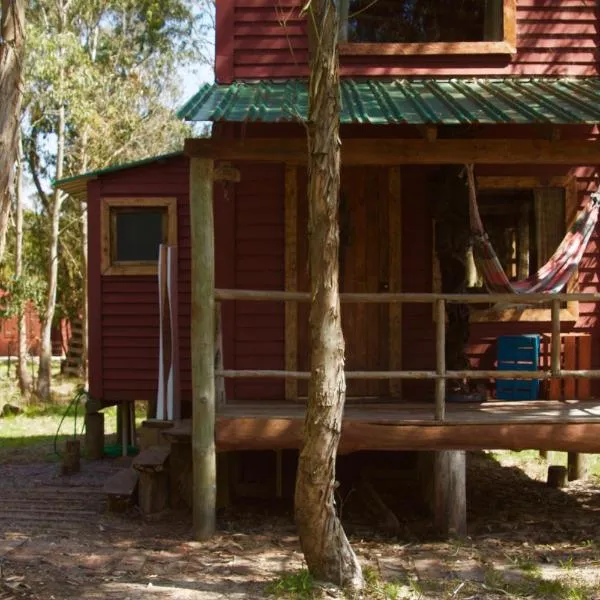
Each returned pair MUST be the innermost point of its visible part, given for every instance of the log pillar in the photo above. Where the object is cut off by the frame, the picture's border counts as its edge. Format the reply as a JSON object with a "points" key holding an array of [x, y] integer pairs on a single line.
{"points": [[450, 500], [576, 466], [94, 435], [202, 347]]}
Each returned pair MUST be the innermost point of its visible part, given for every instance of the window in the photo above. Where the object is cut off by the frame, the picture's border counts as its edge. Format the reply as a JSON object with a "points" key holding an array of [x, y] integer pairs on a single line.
{"points": [[132, 231], [526, 219], [399, 27]]}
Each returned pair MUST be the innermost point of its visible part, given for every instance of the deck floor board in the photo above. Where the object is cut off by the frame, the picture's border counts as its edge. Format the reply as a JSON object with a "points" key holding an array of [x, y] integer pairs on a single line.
{"points": [[415, 413]]}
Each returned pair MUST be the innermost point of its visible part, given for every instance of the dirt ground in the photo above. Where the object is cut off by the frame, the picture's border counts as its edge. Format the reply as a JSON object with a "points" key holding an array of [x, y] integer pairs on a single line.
{"points": [[525, 541]]}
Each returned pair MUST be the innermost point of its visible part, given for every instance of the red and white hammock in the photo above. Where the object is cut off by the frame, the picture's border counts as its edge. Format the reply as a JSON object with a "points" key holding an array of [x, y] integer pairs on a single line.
{"points": [[551, 277]]}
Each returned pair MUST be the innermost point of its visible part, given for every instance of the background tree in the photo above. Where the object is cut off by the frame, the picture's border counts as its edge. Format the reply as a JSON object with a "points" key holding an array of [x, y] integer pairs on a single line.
{"points": [[12, 40], [328, 553], [101, 84]]}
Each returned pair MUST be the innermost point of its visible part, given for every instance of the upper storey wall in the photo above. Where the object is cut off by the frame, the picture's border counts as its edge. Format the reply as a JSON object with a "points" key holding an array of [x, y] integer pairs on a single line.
{"points": [[260, 39]]}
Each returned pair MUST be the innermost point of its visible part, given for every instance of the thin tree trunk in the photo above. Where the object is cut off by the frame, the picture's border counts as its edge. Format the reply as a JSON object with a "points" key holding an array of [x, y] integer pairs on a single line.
{"points": [[45, 367], [23, 376], [326, 549], [12, 31]]}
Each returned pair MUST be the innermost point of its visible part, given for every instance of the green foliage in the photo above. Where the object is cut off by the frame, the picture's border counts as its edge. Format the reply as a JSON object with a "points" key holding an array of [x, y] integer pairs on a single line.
{"points": [[296, 586], [113, 66]]}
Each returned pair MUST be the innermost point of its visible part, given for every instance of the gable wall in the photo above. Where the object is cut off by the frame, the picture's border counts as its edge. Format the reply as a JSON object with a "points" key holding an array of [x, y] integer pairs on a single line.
{"points": [[258, 39]]}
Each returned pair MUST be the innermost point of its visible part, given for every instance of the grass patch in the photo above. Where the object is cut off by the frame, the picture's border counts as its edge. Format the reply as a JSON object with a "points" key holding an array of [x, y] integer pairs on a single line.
{"points": [[295, 586], [536, 467], [533, 585]]}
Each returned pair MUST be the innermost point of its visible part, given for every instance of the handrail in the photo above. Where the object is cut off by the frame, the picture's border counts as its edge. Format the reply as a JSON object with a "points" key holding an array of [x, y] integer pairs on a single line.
{"points": [[409, 297], [441, 374]]}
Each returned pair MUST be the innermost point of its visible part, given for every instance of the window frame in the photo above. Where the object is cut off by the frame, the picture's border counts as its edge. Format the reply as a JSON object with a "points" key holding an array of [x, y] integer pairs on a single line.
{"points": [[569, 183], [508, 45], [112, 267]]}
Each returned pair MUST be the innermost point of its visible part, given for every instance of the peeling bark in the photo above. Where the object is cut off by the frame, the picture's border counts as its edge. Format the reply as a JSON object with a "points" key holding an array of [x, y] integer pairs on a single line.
{"points": [[12, 38], [326, 549]]}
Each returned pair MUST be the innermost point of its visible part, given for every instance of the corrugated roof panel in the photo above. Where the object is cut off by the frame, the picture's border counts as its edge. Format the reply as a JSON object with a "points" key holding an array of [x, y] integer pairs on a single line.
{"points": [[558, 101]]}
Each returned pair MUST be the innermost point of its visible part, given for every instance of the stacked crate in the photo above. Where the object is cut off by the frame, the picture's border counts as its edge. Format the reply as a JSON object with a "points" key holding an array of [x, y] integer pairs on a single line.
{"points": [[518, 353]]}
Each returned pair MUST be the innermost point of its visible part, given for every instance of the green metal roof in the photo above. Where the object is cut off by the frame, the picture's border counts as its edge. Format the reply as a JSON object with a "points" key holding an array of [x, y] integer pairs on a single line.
{"points": [[557, 101], [76, 185]]}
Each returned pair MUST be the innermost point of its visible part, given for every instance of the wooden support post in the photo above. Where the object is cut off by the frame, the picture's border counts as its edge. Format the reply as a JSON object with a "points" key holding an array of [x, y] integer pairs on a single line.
{"points": [[94, 436], [291, 278], [395, 278], [555, 352], [202, 347], [223, 479], [125, 426], [279, 473], [450, 483], [440, 352], [576, 466]]}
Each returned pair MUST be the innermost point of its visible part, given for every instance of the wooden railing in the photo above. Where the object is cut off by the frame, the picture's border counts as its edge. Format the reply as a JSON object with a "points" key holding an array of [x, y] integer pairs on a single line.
{"points": [[441, 374]]}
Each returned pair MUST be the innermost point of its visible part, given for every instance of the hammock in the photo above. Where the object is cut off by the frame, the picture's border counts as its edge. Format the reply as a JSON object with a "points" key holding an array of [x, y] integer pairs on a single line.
{"points": [[551, 277]]}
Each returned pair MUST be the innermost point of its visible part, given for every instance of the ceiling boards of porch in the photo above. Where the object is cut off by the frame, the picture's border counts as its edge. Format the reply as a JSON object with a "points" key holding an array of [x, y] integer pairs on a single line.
{"points": [[518, 101]]}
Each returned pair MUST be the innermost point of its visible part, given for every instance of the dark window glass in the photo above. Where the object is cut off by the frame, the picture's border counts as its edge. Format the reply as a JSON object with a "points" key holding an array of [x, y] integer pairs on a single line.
{"points": [[424, 21], [138, 234]]}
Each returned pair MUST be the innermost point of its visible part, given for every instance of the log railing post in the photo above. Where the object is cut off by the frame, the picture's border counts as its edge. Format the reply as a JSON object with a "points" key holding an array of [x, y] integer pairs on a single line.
{"points": [[203, 347], [555, 352], [440, 351]]}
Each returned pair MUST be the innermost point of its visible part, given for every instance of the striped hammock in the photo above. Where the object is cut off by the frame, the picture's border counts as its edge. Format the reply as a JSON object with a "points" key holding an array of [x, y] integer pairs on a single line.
{"points": [[550, 278]]}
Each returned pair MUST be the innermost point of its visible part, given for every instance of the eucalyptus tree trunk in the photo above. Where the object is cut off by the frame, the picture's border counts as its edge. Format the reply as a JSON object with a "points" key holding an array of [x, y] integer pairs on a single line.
{"points": [[45, 367], [326, 549], [23, 376], [12, 38]]}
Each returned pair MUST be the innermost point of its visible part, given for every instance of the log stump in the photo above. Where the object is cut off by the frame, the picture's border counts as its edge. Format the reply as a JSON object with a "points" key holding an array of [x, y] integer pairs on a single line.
{"points": [[557, 476]]}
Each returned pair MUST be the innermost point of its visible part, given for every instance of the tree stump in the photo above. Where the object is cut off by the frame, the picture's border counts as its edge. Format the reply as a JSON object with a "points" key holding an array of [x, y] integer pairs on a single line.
{"points": [[557, 476]]}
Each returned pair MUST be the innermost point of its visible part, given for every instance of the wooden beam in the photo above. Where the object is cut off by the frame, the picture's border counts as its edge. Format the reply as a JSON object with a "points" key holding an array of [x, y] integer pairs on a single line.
{"points": [[387, 152], [286, 433], [395, 277], [429, 132], [203, 347], [291, 278]]}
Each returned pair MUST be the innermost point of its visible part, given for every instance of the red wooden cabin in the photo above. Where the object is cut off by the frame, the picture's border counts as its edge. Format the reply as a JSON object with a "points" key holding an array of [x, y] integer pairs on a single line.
{"points": [[514, 89]]}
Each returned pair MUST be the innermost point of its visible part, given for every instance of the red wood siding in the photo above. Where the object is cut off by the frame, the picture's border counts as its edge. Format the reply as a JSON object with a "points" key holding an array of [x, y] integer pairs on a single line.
{"points": [[124, 320], [259, 265], [267, 39]]}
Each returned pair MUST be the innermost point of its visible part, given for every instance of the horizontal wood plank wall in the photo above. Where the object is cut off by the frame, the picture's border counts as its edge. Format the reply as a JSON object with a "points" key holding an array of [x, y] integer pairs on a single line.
{"points": [[554, 37], [260, 265], [128, 310]]}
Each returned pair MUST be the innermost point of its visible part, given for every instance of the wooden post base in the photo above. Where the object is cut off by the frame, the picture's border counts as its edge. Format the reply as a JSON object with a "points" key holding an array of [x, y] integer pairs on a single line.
{"points": [[450, 489], [94, 436], [576, 466]]}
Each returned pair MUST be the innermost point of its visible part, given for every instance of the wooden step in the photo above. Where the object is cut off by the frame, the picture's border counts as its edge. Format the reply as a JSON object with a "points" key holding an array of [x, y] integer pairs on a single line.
{"points": [[152, 459], [120, 489]]}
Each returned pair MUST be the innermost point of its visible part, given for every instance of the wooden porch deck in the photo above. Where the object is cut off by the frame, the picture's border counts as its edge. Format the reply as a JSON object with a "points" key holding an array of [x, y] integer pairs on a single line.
{"points": [[542, 424]]}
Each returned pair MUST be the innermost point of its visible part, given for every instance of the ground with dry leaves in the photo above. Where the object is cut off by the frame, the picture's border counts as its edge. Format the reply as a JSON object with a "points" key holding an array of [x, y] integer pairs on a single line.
{"points": [[526, 541]]}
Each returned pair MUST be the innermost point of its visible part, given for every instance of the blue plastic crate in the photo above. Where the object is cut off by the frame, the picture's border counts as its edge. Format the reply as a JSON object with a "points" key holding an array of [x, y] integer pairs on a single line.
{"points": [[518, 353]]}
